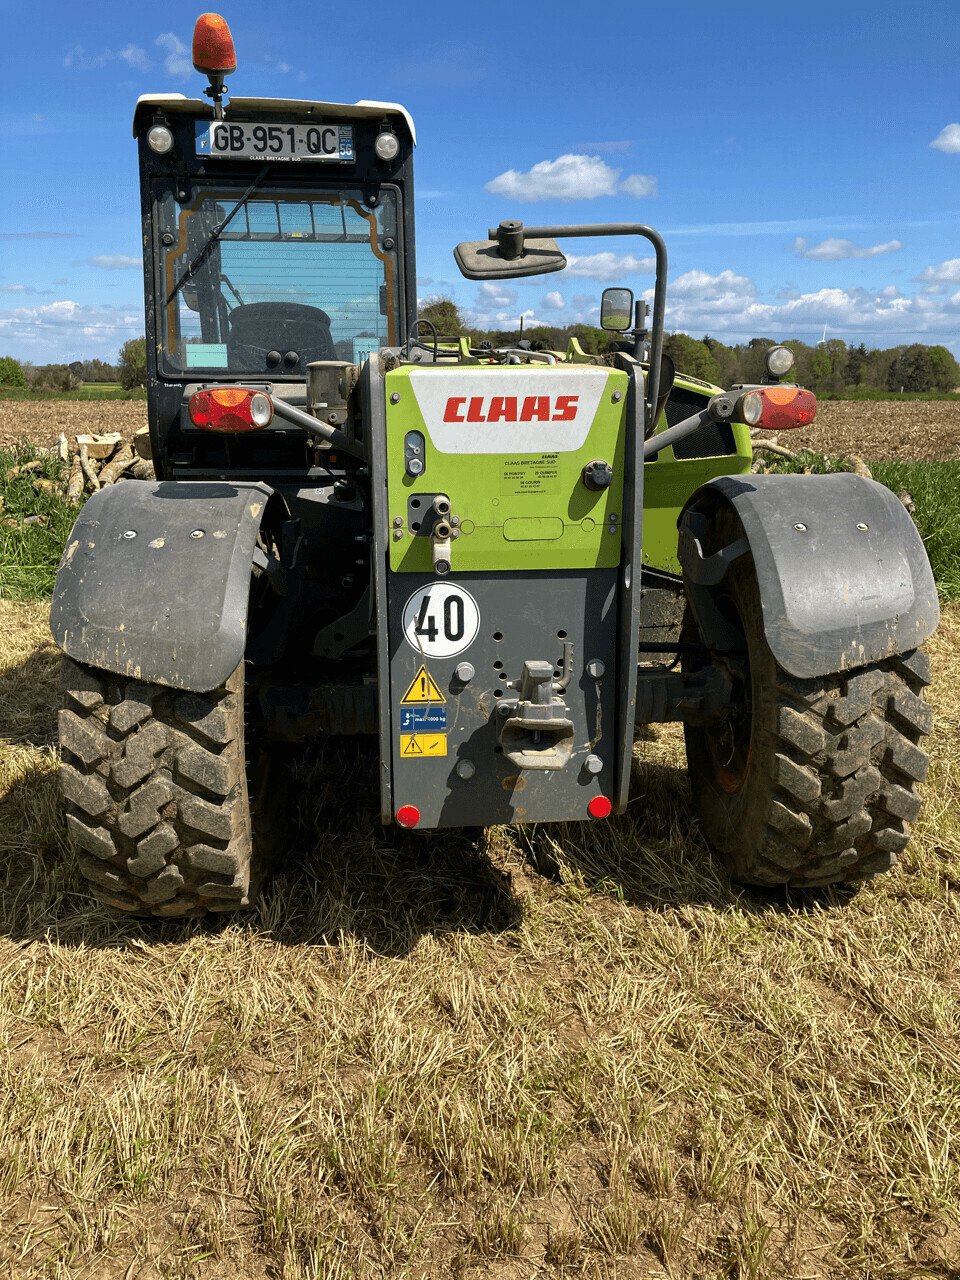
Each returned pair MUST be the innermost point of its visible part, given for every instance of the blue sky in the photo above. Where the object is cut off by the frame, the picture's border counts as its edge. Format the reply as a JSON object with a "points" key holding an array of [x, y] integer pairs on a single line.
{"points": [[803, 161]]}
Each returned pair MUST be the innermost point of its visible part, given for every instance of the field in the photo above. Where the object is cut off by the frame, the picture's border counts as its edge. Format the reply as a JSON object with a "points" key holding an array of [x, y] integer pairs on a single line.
{"points": [[553, 1052]]}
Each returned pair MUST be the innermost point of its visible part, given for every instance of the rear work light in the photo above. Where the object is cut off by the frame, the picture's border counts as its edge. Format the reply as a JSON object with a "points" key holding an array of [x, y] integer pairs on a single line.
{"points": [[213, 49], [230, 409], [785, 408]]}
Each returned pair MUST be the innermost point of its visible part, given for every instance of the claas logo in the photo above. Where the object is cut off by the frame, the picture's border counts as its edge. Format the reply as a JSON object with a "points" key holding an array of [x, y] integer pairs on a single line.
{"points": [[511, 409]]}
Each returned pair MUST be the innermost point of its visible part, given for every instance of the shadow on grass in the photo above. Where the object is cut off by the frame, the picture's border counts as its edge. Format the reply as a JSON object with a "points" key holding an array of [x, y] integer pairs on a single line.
{"points": [[342, 875], [654, 856]]}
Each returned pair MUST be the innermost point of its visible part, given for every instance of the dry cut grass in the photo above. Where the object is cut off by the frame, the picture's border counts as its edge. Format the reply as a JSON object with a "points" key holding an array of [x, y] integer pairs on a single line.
{"points": [[566, 1052]]}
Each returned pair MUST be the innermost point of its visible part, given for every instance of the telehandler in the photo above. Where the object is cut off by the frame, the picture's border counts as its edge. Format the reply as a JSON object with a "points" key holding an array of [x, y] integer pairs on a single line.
{"points": [[495, 562]]}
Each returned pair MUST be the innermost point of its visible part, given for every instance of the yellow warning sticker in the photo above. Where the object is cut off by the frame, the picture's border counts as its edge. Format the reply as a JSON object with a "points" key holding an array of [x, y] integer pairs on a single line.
{"points": [[414, 745], [423, 688]]}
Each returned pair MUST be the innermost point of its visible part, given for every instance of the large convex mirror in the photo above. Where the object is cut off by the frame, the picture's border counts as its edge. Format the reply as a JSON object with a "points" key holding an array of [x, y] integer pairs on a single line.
{"points": [[616, 309]]}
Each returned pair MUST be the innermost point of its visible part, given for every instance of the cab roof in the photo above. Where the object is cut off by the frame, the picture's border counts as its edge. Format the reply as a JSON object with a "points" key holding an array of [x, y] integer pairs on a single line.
{"points": [[365, 109]]}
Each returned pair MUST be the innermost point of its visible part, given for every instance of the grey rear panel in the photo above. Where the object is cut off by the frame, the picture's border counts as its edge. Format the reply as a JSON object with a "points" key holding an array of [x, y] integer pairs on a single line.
{"points": [[533, 614]]}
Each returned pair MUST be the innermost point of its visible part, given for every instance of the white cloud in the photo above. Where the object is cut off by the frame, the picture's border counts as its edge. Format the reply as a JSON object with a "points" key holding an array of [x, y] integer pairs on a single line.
{"points": [[495, 295], [641, 185], [22, 289], [948, 140], [134, 57], [947, 272], [68, 330], [606, 265], [114, 261], [730, 304], [176, 60], [492, 318], [569, 177], [553, 301], [836, 250], [78, 59]]}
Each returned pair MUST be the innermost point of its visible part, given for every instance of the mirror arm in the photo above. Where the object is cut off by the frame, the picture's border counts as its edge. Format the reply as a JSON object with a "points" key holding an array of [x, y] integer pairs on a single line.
{"points": [[584, 231]]}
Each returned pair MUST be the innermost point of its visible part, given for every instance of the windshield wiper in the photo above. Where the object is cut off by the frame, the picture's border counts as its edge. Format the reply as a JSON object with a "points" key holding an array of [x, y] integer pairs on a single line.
{"points": [[216, 234]]}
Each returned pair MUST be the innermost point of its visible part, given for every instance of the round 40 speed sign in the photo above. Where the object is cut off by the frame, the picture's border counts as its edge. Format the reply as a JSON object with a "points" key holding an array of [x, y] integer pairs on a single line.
{"points": [[440, 620]]}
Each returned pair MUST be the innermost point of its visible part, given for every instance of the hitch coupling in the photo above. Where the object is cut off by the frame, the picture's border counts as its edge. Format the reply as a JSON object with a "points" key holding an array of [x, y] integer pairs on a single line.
{"points": [[535, 730]]}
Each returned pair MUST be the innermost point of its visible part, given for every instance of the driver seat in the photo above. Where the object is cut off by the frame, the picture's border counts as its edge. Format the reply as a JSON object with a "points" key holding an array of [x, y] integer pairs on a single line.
{"points": [[258, 328]]}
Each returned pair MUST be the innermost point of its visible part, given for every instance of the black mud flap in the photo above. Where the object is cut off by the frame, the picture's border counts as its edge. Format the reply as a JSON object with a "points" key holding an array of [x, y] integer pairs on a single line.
{"points": [[155, 578], [844, 577]]}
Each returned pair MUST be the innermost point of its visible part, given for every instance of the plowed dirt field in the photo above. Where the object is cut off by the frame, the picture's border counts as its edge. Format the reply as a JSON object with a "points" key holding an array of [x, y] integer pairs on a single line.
{"points": [[881, 429]]}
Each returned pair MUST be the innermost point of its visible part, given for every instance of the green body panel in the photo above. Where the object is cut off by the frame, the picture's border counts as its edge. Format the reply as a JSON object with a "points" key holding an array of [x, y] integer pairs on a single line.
{"points": [[668, 482], [521, 506]]}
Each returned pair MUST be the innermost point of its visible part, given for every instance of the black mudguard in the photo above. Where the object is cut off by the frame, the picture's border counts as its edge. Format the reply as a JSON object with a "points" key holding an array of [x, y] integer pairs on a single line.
{"points": [[844, 577], [155, 578]]}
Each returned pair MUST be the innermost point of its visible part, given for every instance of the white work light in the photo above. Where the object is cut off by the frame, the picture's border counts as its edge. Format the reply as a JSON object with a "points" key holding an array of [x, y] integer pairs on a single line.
{"points": [[160, 139], [779, 361], [387, 146]]}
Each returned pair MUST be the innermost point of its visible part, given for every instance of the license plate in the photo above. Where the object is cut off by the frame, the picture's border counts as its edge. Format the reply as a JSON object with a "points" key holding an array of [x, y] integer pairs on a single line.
{"points": [[233, 140]]}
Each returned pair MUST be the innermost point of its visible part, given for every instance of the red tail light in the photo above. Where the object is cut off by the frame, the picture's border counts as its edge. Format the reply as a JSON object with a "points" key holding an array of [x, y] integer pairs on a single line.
{"points": [[786, 407], [600, 807], [213, 45], [408, 815], [230, 409]]}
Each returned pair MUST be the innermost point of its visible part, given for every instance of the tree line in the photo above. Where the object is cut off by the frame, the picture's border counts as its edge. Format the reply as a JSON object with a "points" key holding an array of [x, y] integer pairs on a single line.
{"points": [[829, 367], [130, 371]]}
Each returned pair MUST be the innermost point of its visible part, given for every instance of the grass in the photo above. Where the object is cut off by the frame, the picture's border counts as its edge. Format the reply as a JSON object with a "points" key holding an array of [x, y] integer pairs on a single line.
{"points": [[565, 1051], [29, 553], [553, 1052], [935, 490]]}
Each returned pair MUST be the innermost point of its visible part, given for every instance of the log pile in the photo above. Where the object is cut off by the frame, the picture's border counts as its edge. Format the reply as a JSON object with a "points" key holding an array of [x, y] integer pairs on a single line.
{"points": [[91, 462]]}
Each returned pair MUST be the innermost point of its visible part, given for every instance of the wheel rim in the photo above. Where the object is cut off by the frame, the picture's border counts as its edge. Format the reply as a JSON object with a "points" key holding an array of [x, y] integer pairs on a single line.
{"points": [[729, 743]]}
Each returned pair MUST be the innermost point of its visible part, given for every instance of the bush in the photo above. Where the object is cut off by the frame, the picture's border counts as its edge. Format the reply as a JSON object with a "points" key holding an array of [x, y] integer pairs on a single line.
{"points": [[52, 377], [11, 372], [132, 363]]}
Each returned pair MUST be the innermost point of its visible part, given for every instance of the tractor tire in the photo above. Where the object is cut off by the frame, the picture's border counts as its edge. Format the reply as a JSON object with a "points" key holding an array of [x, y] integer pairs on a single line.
{"points": [[809, 782], [157, 793]]}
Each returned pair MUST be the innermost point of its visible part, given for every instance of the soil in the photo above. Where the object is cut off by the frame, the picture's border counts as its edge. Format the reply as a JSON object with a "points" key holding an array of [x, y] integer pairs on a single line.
{"points": [[39, 422], [890, 429]]}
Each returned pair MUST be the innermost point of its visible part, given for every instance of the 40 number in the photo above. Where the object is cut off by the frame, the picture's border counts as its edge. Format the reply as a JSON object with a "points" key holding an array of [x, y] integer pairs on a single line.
{"points": [[441, 620]]}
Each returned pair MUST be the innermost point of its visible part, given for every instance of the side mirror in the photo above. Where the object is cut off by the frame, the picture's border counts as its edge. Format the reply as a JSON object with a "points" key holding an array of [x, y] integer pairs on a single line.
{"points": [[616, 310], [507, 255]]}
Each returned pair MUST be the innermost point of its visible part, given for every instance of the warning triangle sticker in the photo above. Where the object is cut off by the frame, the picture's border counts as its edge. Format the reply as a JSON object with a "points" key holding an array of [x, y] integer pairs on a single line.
{"points": [[423, 688]]}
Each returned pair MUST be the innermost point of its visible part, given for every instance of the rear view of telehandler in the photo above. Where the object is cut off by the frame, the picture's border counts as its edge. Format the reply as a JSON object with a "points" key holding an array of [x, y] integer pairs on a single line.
{"points": [[470, 555]]}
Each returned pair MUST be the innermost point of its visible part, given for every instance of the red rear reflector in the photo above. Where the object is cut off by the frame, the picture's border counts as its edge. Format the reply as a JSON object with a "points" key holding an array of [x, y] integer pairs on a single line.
{"points": [[230, 409], [213, 45], [786, 407], [408, 815], [599, 807]]}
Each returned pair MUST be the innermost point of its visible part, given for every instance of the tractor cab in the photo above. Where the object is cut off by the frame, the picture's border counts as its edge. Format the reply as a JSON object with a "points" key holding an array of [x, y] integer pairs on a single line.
{"points": [[276, 236]]}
